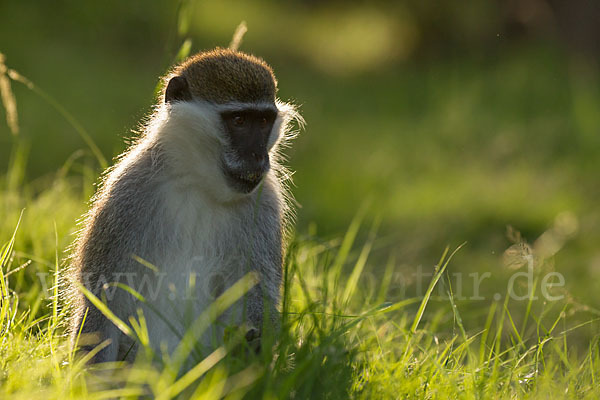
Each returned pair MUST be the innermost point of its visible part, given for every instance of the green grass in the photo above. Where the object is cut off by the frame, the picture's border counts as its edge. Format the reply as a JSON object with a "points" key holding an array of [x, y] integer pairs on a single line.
{"points": [[340, 337], [405, 157]]}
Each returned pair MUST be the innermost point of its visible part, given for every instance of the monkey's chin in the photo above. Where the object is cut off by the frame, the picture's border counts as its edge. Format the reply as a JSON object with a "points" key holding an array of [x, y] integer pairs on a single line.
{"points": [[244, 183]]}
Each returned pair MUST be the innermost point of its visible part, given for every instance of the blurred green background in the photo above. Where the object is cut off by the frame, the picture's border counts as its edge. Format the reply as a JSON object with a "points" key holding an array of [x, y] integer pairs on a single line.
{"points": [[450, 120]]}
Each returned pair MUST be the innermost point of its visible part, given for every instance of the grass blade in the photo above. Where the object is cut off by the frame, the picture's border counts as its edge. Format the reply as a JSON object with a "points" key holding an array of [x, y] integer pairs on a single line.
{"points": [[360, 264], [103, 308], [4, 260], [440, 270]]}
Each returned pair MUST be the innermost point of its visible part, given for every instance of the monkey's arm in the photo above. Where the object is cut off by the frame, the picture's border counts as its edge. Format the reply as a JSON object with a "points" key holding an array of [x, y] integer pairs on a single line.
{"points": [[114, 230], [99, 269]]}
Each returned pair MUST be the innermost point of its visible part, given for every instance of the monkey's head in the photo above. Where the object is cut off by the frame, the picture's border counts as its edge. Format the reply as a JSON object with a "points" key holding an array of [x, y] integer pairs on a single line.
{"points": [[230, 97]]}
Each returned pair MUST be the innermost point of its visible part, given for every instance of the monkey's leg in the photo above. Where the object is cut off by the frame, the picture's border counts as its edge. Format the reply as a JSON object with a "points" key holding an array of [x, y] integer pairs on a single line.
{"points": [[261, 315], [96, 330]]}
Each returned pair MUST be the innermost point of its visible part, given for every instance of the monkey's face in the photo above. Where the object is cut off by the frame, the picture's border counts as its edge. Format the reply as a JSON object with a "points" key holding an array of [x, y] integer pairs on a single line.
{"points": [[248, 133]]}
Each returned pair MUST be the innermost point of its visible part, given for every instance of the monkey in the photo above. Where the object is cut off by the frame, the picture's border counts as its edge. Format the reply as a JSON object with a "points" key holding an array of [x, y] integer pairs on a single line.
{"points": [[197, 201]]}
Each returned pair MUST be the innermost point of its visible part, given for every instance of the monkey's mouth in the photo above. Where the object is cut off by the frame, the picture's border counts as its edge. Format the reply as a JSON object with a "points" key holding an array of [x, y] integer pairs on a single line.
{"points": [[244, 181]]}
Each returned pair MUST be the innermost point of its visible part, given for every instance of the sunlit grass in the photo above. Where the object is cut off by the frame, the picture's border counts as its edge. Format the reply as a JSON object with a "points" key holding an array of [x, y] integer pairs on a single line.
{"points": [[447, 152], [339, 337]]}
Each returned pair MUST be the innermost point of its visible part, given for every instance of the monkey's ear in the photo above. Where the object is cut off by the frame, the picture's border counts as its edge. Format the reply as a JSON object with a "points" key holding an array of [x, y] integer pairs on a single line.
{"points": [[177, 90]]}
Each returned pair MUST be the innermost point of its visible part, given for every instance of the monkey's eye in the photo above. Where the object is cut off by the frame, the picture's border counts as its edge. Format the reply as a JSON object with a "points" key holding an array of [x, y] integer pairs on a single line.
{"points": [[238, 120]]}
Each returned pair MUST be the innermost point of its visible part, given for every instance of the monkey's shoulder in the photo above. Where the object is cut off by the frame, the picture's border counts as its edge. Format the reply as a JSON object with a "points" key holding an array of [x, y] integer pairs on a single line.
{"points": [[124, 213]]}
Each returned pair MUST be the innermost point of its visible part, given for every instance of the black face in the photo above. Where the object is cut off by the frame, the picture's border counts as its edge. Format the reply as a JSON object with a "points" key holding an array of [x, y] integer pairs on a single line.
{"points": [[247, 160]]}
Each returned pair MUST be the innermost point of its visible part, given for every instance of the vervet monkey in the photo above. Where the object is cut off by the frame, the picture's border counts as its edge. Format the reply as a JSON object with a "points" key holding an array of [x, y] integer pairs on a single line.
{"points": [[200, 195]]}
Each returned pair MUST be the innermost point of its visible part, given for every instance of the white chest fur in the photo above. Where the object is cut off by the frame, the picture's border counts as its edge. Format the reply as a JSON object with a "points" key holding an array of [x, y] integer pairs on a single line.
{"points": [[208, 249]]}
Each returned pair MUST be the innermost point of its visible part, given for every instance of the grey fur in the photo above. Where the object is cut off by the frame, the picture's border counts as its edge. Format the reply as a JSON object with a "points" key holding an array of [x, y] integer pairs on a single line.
{"points": [[132, 214]]}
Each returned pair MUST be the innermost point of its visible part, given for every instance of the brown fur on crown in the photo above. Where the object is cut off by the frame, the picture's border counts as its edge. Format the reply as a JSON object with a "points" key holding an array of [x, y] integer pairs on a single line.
{"points": [[224, 75]]}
